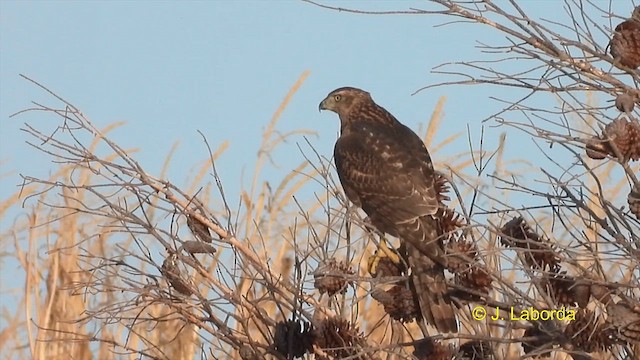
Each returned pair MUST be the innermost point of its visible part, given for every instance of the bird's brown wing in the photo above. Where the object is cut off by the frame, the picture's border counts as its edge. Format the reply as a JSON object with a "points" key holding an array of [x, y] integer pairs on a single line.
{"points": [[380, 173], [388, 173]]}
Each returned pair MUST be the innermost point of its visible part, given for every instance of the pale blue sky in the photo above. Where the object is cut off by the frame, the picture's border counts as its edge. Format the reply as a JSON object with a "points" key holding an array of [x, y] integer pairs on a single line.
{"points": [[171, 68]]}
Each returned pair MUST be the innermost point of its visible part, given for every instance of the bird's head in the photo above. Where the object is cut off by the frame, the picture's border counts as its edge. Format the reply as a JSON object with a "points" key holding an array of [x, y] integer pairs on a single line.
{"points": [[343, 100]]}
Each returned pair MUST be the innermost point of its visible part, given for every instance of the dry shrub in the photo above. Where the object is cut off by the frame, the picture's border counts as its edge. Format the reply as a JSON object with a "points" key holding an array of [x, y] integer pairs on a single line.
{"points": [[123, 263]]}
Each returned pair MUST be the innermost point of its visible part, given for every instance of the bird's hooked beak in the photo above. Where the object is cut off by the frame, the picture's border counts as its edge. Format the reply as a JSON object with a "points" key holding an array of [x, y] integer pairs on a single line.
{"points": [[323, 105]]}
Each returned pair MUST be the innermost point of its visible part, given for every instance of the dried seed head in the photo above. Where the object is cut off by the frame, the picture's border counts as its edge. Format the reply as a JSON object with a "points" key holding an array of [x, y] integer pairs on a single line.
{"points": [[625, 135], [442, 188], [399, 302], [428, 349], [461, 255], [171, 272], [537, 342], [625, 102], [586, 333], [596, 148], [477, 278], [475, 350], [623, 319], [293, 338], [450, 220], [566, 290], [338, 338], [536, 251], [199, 229], [332, 277], [625, 44]]}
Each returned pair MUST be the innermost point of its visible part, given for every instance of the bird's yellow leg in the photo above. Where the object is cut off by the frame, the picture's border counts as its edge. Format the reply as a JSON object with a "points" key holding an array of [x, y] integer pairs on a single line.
{"points": [[388, 252], [383, 252]]}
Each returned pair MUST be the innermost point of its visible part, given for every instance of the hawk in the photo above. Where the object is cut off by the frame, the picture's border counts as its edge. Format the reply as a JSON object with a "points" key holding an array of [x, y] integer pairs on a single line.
{"points": [[385, 169]]}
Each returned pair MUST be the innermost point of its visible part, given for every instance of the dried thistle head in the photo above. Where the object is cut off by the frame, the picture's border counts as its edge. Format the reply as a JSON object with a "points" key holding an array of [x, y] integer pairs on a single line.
{"points": [[199, 229], [333, 277], [537, 342], [442, 188], [338, 337], [625, 43], [597, 148], [172, 274], [623, 133], [399, 302], [536, 251], [428, 349], [566, 290], [475, 350], [623, 320], [293, 338], [586, 333], [461, 255], [625, 102], [476, 278], [450, 221]]}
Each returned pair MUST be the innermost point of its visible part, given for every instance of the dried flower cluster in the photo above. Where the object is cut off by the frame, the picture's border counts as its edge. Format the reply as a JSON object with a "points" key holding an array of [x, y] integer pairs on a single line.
{"points": [[199, 229], [464, 262], [536, 251], [623, 321], [441, 187], [333, 277], [475, 350], [625, 44], [428, 349], [624, 133], [463, 257], [293, 338], [339, 339], [175, 277], [536, 341], [399, 302], [567, 290], [587, 333]]}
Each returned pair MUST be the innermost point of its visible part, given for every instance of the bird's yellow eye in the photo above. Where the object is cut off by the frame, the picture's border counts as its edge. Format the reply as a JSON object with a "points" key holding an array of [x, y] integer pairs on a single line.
{"points": [[337, 97]]}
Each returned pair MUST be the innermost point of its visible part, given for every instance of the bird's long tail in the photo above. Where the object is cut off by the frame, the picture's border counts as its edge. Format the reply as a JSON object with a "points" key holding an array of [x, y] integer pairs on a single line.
{"points": [[427, 274]]}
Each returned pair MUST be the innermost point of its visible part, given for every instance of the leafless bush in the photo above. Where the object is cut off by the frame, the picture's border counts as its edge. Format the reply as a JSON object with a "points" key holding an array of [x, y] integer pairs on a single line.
{"points": [[138, 266]]}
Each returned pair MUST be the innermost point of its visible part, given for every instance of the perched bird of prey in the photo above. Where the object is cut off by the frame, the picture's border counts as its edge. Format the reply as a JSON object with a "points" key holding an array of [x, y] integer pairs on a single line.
{"points": [[625, 44], [386, 170]]}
